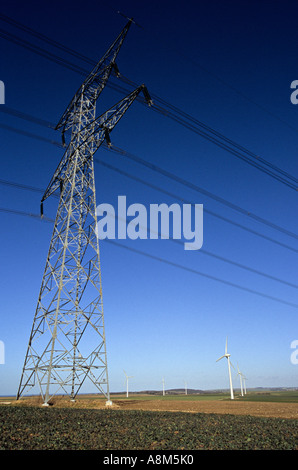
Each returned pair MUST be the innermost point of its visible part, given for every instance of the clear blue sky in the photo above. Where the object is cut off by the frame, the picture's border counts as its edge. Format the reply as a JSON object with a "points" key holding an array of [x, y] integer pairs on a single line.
{"points": [[228, 64]]}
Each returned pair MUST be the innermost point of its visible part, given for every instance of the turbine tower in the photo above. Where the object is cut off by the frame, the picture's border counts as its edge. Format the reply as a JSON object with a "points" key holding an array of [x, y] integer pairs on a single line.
{"points": [[127, 377], [240, 377], [244, 383], [229, 368], [67, 343]]}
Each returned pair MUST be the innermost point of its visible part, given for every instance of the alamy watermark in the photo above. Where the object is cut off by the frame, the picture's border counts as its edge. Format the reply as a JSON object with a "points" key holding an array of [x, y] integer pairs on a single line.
{"points": [[2, 92], [294, 355], [162, 221], [294, 94]]}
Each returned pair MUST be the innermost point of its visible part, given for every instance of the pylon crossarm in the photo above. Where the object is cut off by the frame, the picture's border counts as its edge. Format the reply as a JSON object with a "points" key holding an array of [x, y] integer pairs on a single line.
{"points": [[102, 126], [95, 82], [99, 129], [108, 120], [112, 116]]}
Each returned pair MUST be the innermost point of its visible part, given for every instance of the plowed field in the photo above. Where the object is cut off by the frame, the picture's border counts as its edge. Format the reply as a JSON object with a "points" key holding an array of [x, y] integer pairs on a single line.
{"points": [[273, 410]]}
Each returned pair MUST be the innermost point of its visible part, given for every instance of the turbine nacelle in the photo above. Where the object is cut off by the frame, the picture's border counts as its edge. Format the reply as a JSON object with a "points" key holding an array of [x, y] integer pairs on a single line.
{"points": [[221, 357]]}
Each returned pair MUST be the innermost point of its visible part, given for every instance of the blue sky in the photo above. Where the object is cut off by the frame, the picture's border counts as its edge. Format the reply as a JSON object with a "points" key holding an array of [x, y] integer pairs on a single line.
{"points": [[229, 65]]}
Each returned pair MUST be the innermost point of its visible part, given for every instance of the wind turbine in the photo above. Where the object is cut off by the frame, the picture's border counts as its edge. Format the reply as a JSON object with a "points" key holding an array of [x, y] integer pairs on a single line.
{"points": [[244, 384], [127, 377], [163, 386], [229, 368], [240, 376], [185, 385]]}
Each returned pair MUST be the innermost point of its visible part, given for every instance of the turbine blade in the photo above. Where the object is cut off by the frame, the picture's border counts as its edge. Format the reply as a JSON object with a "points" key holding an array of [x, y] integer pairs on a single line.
{"points": [[219, 358], [226, 350]]}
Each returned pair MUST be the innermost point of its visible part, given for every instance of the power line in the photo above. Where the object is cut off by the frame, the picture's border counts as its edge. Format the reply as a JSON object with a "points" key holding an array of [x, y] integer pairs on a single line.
{"points": [[30, 135], [176, 197], [201, 251], [221, 200], [40, 51], [194, 271], [21, 186], [215, 137], [170, 176], [46, 39], [53, 57], [25, 214], [215, 76], [165, 261], [233, 151], [27, 117], [198, 189], [204, 126], [90, 61]]}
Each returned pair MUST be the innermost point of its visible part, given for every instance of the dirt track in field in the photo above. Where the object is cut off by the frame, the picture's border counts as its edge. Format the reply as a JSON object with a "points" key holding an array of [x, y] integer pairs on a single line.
{"points": [[265, 409]]}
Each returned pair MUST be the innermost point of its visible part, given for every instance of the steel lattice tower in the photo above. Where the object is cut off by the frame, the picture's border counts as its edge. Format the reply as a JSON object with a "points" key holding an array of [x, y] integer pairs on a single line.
{"points": [[67, 341]]}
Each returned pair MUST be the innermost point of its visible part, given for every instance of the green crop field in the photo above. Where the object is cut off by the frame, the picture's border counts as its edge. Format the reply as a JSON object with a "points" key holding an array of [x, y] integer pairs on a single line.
{"points": [[202, 397], [281, 397], [36, 428]]}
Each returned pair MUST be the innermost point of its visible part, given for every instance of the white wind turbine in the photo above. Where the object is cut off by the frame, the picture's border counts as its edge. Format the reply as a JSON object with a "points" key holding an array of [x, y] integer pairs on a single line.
{"points": [[240, 376], [163, 386], [127, 377], [242, 379], [229, 368], [244, 384]]}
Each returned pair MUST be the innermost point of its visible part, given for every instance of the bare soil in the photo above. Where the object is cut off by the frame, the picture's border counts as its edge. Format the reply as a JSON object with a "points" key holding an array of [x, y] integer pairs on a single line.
{"points": [[274, 410], [265, 409]]}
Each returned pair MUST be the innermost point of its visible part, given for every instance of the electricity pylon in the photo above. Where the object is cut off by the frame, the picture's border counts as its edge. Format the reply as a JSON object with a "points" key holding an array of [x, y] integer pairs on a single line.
{"points": [[67, 341]]}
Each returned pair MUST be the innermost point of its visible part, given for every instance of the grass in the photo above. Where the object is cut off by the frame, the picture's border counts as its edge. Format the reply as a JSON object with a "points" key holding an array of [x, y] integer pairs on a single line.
{"points": [[183, 397], [283, 396], [279, 397]]}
